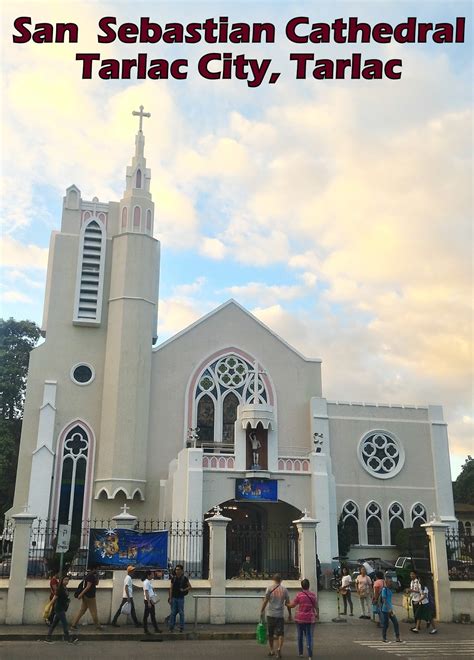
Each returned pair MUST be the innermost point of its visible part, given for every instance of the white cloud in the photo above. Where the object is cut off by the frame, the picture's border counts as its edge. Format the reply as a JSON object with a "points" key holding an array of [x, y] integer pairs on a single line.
{"points": [[213, 248], [15, 296], [266, 294], [14, 254], [190, 289]]}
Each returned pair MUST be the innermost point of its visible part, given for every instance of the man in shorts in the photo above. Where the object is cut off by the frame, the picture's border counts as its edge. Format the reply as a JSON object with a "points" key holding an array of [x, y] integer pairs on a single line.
{"points": [[276, 597]]}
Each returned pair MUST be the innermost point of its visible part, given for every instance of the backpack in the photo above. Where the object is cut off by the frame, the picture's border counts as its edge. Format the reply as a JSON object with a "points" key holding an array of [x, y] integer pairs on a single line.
{"points": [[80, 588], [382, 595]]}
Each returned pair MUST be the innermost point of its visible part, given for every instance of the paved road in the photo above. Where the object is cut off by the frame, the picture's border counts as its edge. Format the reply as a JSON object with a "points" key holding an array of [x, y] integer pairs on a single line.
{"points": [[332, 641]]}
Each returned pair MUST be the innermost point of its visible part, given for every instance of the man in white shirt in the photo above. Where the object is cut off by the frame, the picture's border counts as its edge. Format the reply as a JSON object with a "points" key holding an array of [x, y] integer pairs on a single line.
{"points": [[127, 597], [416, 592]]}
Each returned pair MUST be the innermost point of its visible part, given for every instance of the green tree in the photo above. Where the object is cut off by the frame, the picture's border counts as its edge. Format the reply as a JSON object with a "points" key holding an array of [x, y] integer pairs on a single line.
{"points": [[17, 338], [463, 487]]}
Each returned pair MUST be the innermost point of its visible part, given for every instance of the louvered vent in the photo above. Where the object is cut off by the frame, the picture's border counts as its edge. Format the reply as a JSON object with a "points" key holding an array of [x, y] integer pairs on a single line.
{"points": [[89, 295]]}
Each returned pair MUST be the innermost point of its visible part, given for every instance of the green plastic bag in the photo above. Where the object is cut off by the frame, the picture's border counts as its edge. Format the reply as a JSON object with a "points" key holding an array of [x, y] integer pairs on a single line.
{"points": [[261, 633]]}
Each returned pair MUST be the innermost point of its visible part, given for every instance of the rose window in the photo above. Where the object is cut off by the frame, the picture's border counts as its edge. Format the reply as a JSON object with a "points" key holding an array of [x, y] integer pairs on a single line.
{"points": [[231, 371], [381, 454]]}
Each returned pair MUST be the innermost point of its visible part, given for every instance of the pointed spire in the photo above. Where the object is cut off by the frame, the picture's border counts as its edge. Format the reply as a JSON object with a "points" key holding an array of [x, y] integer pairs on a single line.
{"points": [[140, 139], [136, 206]]}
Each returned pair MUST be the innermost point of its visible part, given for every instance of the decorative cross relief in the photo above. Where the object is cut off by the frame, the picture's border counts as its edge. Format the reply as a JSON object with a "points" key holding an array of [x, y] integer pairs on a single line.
{"points": [[318, 442], [125, 509], [304, 513], [217, 510], [141, 114]]}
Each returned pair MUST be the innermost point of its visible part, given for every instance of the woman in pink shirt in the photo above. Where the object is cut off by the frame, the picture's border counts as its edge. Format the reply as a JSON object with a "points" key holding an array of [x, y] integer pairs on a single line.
{"points": [[308, 611]]}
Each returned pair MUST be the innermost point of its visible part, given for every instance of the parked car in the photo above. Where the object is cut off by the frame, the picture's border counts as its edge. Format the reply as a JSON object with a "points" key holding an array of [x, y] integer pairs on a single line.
{"points": [[405, 565], [37, 568]]}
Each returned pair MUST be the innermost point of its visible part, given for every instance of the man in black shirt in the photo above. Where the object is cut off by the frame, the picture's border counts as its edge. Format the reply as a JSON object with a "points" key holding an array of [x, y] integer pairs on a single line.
{"points": [[179, 588], [87, 598]]}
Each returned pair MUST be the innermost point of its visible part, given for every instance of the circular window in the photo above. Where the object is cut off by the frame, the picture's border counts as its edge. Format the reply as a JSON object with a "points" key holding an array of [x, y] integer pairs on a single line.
{"points": [[82, 374], [381, 454]]}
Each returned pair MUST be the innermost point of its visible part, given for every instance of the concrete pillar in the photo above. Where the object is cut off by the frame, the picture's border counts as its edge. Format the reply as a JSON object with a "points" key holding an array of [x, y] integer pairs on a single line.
{"points": [[123, 520], [19, 567], [436, 531], [323, 484], [217, 564], [307, 549]]}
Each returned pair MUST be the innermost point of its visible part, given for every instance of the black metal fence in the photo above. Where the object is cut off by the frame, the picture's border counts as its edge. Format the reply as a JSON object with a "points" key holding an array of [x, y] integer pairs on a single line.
{"points": [[460, 551], [258, 551], [187, 544]]}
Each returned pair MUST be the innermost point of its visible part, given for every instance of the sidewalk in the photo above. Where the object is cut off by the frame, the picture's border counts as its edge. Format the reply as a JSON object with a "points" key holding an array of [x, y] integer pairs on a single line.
{"points": [[244, 631]]}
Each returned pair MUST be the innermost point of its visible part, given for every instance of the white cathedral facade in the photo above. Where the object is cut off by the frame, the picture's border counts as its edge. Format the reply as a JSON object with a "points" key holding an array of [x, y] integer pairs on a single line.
{"points": [[223, 413]]}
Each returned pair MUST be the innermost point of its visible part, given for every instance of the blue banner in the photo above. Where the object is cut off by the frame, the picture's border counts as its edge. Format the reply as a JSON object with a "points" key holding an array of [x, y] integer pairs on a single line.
{"points": [[119, 548], [257, 490]]}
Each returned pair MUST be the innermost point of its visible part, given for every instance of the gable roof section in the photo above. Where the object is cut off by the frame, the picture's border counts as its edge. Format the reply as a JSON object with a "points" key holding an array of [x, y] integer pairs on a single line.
{"points": [[249, 314]]}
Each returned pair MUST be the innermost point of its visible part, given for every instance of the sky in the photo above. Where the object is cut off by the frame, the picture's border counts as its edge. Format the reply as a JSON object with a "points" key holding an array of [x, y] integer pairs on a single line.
{"points": [[338, 212]]}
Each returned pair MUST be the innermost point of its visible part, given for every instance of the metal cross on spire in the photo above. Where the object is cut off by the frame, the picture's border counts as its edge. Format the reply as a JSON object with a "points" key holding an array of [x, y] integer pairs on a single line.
{"points": [[141, 114]]}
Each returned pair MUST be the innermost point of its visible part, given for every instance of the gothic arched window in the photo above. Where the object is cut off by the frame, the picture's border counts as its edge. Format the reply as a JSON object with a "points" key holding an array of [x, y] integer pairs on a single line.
{"points": [[136, 216], [396, 521], [229, 416], [148, 220], [124, 217], [73, 478], [90, 273], [228, 374], [418, 514], [468, 528], [205, 419], [350, 518], [139, 179], [373, 517]]}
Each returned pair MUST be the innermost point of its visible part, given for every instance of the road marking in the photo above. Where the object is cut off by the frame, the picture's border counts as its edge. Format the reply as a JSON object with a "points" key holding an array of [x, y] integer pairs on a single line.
{"points": [[423, 649]]}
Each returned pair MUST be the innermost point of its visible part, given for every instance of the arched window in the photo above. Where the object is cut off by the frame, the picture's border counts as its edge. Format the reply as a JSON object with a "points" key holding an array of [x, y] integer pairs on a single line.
{"points": [[468, 527], [350, 518], [227, 373], [136, 216], [373, 517], [396, 521], [229, 416], [90, 273], [124, 217], [418, 514], [205, 419], [148, 220], [73, 478], [461, 528], [138, 183]]}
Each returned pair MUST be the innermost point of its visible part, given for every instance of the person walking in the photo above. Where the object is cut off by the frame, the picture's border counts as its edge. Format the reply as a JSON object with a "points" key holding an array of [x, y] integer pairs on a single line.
{"points": [[88, 598], [53, 588], [415, 592], [60, 606], [424, 612], [276, 597], [364, 588], [387, 611], [127, 597], [378, 586], [179, 588], [345, 590], [150, 599], [307, 612]]}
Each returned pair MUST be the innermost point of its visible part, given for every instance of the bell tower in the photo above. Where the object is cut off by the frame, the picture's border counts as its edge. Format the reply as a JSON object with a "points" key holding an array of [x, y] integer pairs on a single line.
{"points": [[131, 329]]}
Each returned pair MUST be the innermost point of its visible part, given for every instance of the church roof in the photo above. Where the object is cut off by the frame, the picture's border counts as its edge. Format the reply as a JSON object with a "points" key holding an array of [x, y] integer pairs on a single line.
{"points": [[232, 302]]}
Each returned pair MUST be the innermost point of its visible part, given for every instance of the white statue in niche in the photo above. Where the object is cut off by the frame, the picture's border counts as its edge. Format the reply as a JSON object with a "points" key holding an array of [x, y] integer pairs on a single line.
{"points": [[256, 445]]}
